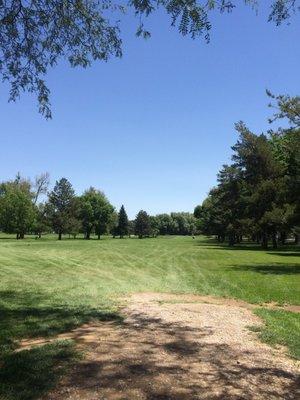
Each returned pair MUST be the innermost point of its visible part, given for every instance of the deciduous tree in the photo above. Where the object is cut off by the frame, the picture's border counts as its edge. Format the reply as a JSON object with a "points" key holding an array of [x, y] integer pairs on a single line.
{"points": [[17, 212], [35, 35]]}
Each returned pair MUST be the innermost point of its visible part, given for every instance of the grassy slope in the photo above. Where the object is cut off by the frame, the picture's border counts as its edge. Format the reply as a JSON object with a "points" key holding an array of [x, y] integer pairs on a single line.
{"points": [[48, 286]]}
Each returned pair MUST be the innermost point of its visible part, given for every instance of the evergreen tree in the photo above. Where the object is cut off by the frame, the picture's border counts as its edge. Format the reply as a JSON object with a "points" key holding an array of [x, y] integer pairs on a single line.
{"points": [[61, 206], [142, 224], [258, 195], [123, 223]]}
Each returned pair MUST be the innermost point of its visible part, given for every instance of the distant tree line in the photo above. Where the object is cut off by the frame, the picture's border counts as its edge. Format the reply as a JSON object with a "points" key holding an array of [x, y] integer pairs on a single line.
{"points": [[176, 223], [63, 212], [258, 194], [22, 212]]}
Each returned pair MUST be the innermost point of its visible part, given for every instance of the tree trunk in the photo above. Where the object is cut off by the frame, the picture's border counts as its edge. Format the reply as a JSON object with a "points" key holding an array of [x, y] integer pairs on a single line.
{"points": [[282, 238], [18, 236], [231, 240], [59, 235], [296, 238], [258, 239], [274, 241], [98, 236], [264, 241], [22, 235]]}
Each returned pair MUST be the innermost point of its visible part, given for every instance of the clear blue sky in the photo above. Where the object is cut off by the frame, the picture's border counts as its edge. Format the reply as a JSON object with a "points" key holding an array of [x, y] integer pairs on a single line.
{"points": [[152, 129]]}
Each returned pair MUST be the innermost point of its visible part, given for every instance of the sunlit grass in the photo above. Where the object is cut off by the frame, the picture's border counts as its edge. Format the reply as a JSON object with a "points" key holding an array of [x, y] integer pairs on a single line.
{"points": [[49, 286], [281, 327]]}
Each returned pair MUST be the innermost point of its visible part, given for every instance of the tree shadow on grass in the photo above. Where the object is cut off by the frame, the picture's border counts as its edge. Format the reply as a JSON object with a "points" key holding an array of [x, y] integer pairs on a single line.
{"points": [[213, 244], [27, 374], [23, 315], [152, 359], [272, 269], [145, 357], [286, 253]]}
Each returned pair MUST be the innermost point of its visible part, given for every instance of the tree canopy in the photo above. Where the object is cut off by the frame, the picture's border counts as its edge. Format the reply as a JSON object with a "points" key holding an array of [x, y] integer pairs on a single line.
{"points": [[123, 223], [36, 35], [17, 210], [258, 194], [142, 225], [61, 206], [95, 212]]}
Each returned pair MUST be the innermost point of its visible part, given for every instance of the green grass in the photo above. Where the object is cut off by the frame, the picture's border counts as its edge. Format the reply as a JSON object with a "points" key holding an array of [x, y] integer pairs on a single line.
{"points": [[282, 328], [47, 286], [29, 374]]}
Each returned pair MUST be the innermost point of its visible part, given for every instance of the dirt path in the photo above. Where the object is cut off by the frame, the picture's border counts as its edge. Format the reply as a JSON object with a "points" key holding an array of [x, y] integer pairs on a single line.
{"points": [[171, 347]]}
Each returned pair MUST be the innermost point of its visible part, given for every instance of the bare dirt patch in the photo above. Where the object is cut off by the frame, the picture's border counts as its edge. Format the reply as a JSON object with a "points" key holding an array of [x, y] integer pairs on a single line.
{"points": [[173, 347]]}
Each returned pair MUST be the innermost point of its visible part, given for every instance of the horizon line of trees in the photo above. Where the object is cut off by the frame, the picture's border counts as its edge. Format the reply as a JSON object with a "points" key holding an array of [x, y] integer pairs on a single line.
{"points": [[66, 213], [258, 194]]}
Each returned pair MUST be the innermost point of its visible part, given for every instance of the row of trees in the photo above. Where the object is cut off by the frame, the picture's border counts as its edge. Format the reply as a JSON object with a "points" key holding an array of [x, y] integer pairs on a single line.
{"points": [[65, 213], [258, 194], [176, 223], [145, 225]]}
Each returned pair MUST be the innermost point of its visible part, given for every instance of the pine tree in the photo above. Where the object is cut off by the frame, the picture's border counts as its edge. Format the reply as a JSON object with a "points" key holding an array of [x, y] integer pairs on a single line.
{"points": [[142, 224], [123, 223], [258, 194], [61, 205]]}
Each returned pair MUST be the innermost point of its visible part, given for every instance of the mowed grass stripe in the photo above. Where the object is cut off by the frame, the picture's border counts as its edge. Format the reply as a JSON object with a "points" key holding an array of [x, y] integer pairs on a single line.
{"points": [[48, 287], [178, 264]]}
